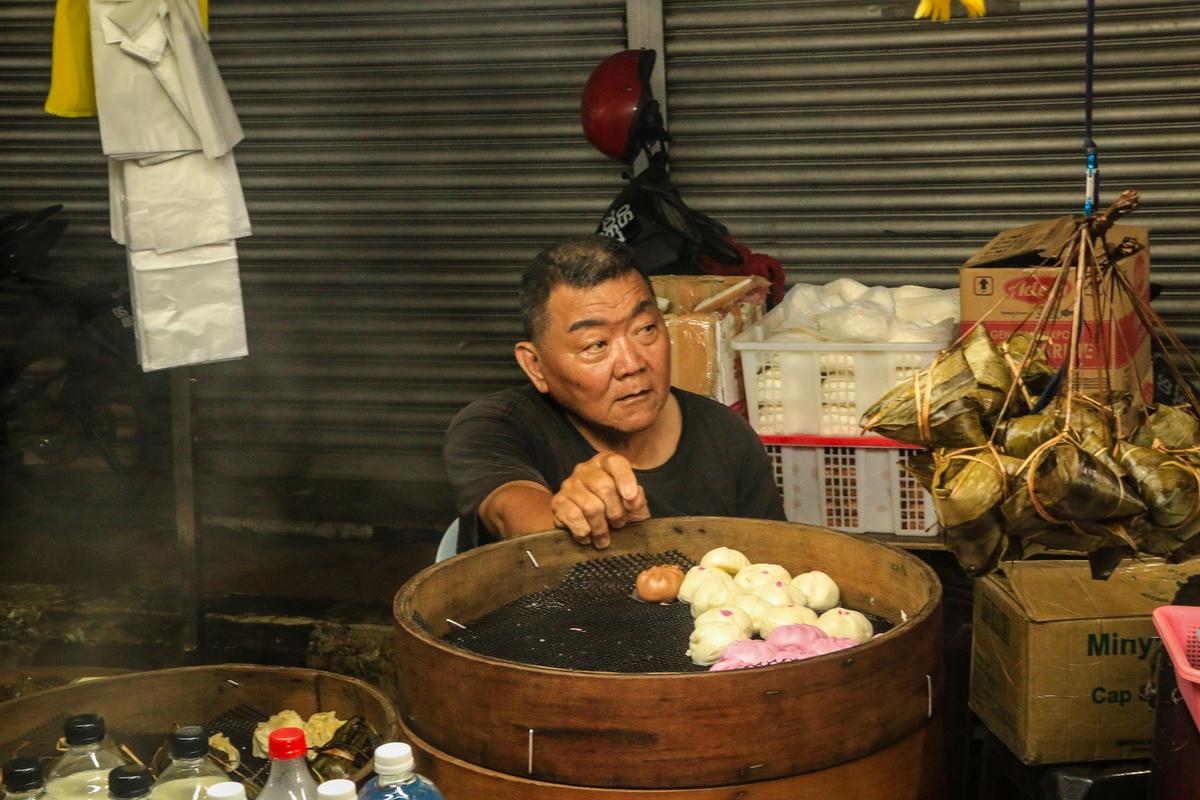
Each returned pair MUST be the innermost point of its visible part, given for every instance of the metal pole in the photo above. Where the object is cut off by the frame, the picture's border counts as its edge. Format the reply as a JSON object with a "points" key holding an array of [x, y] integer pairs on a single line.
{"points": [[192, 633]]}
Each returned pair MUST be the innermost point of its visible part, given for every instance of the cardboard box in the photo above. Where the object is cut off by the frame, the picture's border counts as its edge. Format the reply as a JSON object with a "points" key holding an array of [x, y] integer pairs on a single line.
{"points": [[1058, 660], [1003, 285], [702, 356]]}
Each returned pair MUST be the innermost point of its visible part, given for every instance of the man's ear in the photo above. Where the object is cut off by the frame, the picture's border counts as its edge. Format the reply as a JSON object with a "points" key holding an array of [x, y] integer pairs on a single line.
{"points": [[531, 363]]}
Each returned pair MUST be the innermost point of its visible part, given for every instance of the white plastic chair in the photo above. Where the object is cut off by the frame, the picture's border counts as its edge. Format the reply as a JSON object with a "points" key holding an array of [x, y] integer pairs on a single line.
{"points": [[448, 546]]}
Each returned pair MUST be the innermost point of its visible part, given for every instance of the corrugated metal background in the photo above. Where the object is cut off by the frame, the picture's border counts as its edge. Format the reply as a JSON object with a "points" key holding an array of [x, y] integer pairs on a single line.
{"points": [[402, 161], [846, 138]]}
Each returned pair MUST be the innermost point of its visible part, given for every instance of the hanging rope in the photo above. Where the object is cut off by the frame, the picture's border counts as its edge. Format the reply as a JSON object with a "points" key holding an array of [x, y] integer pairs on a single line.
{"points": [[1092, 191]]}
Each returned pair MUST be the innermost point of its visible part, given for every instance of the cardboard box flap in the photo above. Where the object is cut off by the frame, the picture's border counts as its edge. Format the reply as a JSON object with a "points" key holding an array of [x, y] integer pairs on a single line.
{"points": [[1064, 590], [703, 294], [1026, 246]]}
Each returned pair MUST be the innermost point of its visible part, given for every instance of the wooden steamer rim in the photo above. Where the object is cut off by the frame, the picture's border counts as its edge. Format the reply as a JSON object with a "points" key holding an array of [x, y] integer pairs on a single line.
{"points": [[910, 769], [158, 700], [670, 730]]}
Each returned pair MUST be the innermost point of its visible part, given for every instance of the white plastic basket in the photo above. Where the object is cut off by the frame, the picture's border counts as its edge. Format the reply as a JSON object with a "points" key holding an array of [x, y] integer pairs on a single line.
{"points": [[819, 388], [853, 484]]}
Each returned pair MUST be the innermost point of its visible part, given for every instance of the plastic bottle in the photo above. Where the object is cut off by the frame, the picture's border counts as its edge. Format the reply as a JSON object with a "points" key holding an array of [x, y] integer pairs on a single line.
{"points": [[129, 783], [190, 772], [83, 771], [228, 790], [23, 779], [289, 778], [337, 789], [394, 777]]}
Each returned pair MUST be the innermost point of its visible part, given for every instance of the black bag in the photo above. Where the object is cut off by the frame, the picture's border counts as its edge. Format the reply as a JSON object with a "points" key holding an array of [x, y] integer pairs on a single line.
{"points": [[651, 217]]}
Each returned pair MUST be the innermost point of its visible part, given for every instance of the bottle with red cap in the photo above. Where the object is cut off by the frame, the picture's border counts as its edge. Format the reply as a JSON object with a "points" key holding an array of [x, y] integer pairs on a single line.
{"points": [[289, 778]]}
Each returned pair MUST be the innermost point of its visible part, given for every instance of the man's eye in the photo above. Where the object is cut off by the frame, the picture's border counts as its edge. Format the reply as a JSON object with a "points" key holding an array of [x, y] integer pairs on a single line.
{"points": [[595, 347]]}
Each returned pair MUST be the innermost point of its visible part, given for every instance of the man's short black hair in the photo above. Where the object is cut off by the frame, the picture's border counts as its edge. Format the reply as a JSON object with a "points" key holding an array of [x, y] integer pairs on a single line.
{"points": [[580, 263]]}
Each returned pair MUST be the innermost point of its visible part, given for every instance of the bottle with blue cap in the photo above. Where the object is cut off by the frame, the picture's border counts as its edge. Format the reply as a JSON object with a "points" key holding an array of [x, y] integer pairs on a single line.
{"points": [[23, 779], [82, 772], [395, 779], [190, 772]]}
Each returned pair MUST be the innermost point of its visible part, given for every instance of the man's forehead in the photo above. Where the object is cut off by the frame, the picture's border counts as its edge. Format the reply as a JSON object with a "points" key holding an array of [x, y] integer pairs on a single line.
{"points": [[611, 301]]}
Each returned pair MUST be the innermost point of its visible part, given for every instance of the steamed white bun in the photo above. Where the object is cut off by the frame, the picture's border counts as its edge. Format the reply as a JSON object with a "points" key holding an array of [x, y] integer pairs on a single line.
{"points": [[708, 641], [753, 576], [779, 616], [846, 623], [752, 605], [713, 594], [821, 592], [731, 615], [780, 593], [725, 559], [697, 576]]}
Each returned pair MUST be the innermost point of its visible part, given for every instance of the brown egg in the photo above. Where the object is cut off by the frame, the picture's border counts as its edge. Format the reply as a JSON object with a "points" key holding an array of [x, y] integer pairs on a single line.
{"points": [[660, 583]]}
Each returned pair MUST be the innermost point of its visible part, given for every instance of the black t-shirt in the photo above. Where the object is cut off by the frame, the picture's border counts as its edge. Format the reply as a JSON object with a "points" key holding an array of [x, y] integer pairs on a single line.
{"points": [[719, 467]]}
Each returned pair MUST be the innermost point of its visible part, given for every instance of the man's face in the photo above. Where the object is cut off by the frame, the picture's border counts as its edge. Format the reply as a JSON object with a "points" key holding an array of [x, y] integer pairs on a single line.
{"points": [[605, 355]]}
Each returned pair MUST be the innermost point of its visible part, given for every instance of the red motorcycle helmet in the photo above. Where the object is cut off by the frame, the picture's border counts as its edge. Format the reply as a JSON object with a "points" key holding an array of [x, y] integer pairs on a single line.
{"points": [[619, 112]]}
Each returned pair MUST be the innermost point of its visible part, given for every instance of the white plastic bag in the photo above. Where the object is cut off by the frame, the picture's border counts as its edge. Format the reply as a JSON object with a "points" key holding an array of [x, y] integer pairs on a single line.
{"points": [[187, 305]]}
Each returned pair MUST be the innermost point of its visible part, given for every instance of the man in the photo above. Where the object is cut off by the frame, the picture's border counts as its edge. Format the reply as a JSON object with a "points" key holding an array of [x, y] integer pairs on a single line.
{"points": [[598, 438]]}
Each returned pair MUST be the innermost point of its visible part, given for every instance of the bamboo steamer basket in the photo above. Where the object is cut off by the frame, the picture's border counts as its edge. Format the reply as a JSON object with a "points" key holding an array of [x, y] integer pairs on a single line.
{"points": [[669, 730], [911, 769], [142, 708]]}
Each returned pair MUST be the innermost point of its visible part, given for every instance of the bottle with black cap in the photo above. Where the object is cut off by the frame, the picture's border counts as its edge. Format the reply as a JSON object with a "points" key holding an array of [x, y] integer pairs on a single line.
{"points": [[23, 779], [129, 782], [190, 772], [82, 772]]}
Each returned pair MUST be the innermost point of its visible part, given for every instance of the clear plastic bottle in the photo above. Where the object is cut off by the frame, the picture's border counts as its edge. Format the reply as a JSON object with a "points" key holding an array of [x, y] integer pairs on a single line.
{"points": [[23, 780], [394, 777], [129, 783], [289, 778], [82, 772], [190, 772]]}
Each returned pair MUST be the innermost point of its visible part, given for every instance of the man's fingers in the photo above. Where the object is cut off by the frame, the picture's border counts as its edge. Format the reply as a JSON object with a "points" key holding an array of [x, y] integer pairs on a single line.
{"points": [[600, 484], [638, 508], [567, 515], [622, 474]]}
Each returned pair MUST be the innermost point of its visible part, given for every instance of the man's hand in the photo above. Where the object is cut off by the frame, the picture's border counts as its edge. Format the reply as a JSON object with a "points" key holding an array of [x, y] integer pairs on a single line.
{"points": [[601, 493]]}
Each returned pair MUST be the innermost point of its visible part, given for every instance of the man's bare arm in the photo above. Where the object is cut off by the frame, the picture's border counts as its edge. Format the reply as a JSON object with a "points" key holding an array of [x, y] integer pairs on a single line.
{"points": [[517, 508]]}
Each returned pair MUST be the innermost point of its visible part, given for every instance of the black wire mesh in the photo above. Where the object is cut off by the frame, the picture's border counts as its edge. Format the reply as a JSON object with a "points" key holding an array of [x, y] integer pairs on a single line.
{"points": [[593, 621]]}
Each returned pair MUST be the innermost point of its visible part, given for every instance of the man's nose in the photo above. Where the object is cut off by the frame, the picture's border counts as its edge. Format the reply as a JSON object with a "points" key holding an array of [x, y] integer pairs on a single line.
{"points": [[629, 360]]}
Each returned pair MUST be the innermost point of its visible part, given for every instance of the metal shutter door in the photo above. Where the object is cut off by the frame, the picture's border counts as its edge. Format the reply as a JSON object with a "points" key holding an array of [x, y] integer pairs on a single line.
{"points": [[402, 161], [848, 139]]}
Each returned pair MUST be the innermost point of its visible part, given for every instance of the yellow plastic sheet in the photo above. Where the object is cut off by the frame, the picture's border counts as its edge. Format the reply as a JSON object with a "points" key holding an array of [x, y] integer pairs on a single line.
{"points": [[72, 85]]}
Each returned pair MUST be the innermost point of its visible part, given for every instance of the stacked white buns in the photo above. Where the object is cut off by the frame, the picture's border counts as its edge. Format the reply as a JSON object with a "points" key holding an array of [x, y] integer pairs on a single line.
{"points": [[733, 599]]}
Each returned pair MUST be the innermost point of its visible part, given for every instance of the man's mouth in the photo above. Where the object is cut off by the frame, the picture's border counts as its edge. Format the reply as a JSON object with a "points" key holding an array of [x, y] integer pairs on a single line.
{"points": [[635, 395]]}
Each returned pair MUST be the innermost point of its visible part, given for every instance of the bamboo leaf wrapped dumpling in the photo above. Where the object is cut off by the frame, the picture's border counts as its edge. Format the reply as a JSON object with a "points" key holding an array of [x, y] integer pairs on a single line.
{"points": [[978, 544], [1020, 436], [1175, 427], [992, 375], [1037, 372], [947, 390], [1069, 485], [969, 483], [1169, 485]]}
